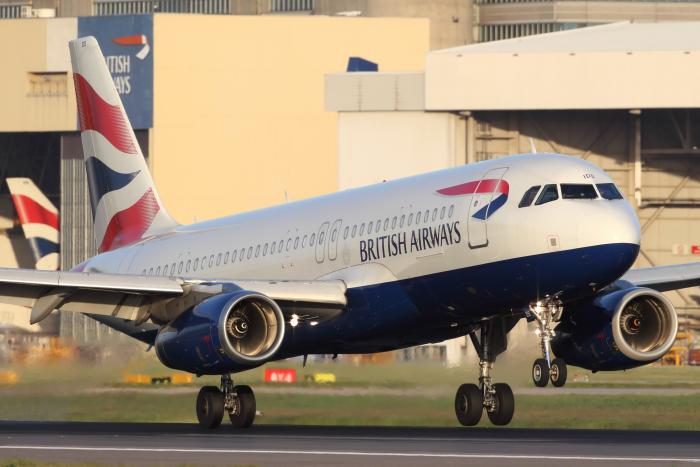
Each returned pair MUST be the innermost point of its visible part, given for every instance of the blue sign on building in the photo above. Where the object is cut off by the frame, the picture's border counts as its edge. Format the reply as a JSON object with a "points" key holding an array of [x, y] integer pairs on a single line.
{"points": [[127, 43]]}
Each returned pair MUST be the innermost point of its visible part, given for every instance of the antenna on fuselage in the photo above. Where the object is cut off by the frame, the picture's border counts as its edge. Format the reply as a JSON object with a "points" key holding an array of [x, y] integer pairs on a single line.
{"points": [[533, 149]]}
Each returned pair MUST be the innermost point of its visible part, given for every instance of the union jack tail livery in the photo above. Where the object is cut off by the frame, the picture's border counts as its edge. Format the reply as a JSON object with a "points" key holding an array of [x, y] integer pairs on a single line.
{"points": [[125, 204], [39, 219]]}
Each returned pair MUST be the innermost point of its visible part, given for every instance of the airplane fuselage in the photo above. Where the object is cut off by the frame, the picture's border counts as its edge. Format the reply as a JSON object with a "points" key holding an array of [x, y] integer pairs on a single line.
{"points": [[424, 258]]}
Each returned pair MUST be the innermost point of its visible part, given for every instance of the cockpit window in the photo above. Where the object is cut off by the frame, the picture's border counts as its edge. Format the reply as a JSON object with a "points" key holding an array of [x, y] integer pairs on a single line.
{"points": [[549, 193], [578, 191], [609, 191], [529, 196]]}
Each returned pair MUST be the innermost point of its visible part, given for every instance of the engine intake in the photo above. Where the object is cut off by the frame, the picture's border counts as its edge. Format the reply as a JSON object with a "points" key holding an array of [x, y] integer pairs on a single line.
{"points": [[232, 331], [251, 328], [617, 330]]}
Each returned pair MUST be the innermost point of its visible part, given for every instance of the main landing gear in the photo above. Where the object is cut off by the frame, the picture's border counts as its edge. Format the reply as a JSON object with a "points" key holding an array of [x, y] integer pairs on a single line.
{"points": [[494, 398], [238, 401], [547, 368]]}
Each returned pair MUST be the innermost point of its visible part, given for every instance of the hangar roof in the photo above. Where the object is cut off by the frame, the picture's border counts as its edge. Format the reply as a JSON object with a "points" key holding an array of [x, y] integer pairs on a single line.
{"points": [[623, 36], [615, 66]]}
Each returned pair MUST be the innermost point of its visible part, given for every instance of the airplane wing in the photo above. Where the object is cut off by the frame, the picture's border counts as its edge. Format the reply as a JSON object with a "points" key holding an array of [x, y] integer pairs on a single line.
{"points": [[160, 299], [665, 278]]}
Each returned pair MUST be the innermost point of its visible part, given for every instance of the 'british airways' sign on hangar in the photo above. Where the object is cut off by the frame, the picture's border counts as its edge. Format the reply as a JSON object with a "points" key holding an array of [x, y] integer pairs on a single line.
{"points": [[127, 43]]}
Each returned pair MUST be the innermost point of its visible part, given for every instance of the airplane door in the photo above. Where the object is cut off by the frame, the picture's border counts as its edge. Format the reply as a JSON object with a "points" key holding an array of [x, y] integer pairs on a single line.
{"points": [[485, 192], [321, 241], [333, 238]]}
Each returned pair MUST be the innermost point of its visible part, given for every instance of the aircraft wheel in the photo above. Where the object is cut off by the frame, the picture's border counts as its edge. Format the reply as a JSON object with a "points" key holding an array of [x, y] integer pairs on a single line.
{"points": [[504, 406], [243, 413], [540, 372], [558, 372], [210, 407], [468, 404]]}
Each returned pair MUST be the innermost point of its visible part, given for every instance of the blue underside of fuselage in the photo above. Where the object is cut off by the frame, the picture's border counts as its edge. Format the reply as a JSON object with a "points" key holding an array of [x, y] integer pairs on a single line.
{"points": [[448, 304]]}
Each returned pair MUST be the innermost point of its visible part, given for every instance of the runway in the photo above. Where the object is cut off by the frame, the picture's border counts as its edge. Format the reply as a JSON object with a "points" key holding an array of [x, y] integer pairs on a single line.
{"points": [[169, 444]]}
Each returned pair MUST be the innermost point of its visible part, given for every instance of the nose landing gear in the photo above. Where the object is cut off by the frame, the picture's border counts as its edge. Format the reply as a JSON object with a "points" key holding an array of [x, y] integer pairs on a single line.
{"points": [[494, 398], [547, 368], [238, 401]]}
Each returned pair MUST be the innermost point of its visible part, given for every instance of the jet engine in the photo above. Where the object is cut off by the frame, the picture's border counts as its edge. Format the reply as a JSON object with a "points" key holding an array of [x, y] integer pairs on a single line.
{"points": [[225, 333], [618, 330]]}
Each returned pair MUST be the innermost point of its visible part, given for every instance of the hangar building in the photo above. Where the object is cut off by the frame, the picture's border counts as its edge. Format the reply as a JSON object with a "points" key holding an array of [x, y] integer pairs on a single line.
{"points": [[623, 96]]}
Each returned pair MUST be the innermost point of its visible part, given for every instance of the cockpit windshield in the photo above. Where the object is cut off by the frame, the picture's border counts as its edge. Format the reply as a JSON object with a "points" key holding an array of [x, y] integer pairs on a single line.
{"points": [[578, 191], [609, 191], [549, 193]]}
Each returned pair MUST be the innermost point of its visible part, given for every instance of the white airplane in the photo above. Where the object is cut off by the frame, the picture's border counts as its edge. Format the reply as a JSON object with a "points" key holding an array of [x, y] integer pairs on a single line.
{"points": [[464, 251]]}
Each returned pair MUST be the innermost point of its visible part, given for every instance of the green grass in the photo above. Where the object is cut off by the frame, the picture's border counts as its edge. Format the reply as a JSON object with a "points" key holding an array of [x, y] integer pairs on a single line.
{"points": [[68, 391]]}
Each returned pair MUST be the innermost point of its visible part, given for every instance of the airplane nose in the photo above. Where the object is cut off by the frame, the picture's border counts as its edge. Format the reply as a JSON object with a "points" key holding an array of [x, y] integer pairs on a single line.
{"points": [[623, 225], [608, 222]]}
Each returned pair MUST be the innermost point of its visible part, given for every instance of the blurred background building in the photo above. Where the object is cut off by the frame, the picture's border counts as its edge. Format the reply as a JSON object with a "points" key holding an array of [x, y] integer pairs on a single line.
{"points": [[257, 92]]}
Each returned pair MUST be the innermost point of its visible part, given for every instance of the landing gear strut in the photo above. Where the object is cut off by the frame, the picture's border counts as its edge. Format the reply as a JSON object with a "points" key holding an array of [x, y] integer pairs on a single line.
{"points": [[238, 401], [547, 368], [494, 398]]}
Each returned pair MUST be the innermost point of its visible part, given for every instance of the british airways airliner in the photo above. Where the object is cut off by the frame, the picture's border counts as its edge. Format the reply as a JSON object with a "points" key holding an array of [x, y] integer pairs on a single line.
{"points": [[465, 251]]}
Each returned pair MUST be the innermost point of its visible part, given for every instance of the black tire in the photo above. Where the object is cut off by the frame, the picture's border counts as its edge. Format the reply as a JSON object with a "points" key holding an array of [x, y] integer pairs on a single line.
{"points": [[540, 373], [504, 408], [210, 407], [243, 414], [558, 373], [468, 404]]}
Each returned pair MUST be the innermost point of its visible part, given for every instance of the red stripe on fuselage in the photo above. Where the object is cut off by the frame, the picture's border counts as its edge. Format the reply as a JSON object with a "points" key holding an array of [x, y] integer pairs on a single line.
{"points": [[96, 114], [31, 212], [129, 225], [490, 185]]}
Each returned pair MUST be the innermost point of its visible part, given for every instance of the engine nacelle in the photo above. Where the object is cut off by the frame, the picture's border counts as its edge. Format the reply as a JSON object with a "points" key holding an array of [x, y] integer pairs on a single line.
{"points": [[225, 333], [618, 330]]}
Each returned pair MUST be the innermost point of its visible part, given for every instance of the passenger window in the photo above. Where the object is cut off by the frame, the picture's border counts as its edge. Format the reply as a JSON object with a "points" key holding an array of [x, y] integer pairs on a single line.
{"points": [[354, 230], [312, 240], [379, 225], [257, 251], [334, 235], [250, 252], [226, 258], [265, 250], [386, 224], [272, 248], [403, 218], [280, 246], [189, 265], [451, 211], [426, 216], [289, 243], [549, 193], [578, 191], [179, 267], [362, 229], [442, 213], [418, 217], [529, 196], [320, 237], [203, 264], [410, 219], [369, 227], [434, 214], [609, 191], [346, 232], [233, 256], [303, 241], [172, 269], [196, 263], [150, 272], [296, 243], [241, 254], [143, 273], [393, 223], [158, 271], [218, 259]]}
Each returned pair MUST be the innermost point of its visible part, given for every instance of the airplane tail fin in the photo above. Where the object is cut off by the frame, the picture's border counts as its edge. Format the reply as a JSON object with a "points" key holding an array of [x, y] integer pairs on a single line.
{"points": [[39, 219], [125, 204]]}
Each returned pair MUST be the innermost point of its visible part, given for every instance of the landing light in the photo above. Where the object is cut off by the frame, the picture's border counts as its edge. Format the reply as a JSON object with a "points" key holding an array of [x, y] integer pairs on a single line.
{"points": [[294, 321]]}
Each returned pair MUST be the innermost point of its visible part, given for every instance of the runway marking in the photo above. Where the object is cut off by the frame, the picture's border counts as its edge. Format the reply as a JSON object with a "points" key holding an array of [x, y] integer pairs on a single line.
{"points": [[357, 453]]}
